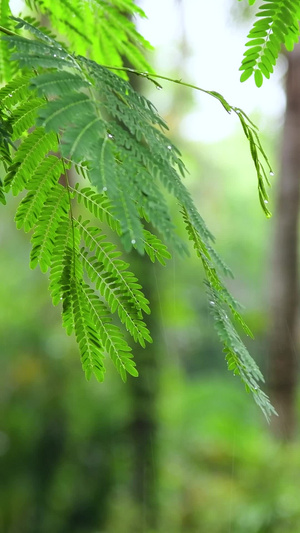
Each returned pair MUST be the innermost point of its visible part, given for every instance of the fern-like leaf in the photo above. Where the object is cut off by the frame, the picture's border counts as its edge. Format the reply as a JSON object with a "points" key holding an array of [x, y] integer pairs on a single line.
{"points": [[277, 24], [155, 248], [119, 286], [24, 116], [88, 338], [39, 186], [66, 241], [16, 91], [112, 339], [238, 357], [31, 152], [98, 205], [53, 212]]}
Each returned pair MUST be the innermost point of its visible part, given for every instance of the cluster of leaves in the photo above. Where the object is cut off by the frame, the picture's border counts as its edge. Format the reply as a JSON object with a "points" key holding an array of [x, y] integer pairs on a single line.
{"points": [[277, 24], [67, 111]]}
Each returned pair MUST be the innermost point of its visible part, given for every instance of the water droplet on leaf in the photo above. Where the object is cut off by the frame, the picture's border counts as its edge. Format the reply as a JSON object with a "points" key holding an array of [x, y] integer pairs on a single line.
{"points": [[10, 95], [54, 55], [266, 201], [110, 136], [158, 87], [104, 189], [133, 241], [212, 302], [271, 173], [169, 147]]}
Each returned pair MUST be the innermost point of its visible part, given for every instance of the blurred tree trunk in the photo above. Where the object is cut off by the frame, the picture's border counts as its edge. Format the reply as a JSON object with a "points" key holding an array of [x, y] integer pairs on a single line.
{"points": [[144, 391], [143, 430], [284, 289]]}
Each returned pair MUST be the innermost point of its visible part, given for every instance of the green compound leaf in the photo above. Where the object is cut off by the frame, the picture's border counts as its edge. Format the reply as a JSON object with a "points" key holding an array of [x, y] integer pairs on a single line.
{"points": [[277, 24], [68, 113]]}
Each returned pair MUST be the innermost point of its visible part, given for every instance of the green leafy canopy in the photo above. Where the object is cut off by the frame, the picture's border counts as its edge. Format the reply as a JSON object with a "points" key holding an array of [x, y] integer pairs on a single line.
{"points": [[65, 111]]}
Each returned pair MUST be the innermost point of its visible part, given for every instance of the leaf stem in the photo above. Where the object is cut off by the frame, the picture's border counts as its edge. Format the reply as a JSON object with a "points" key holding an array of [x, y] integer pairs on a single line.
{"points": [[68, 187], [7, 31]]}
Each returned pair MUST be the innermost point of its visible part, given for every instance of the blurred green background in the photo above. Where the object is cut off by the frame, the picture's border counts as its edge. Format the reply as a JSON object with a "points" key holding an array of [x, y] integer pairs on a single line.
{"points": [[183, 448]]}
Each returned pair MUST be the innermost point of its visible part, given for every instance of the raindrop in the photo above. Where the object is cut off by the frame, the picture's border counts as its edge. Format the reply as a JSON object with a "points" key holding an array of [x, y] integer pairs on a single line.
{"points": [[255, 388], [237, 111], [133, 241], [266, 201], [104, 189], [144, 74], [271, 173], [212, 302], [10, 95], [158, 87], [110, 136], [54, 55], [169, 147]]}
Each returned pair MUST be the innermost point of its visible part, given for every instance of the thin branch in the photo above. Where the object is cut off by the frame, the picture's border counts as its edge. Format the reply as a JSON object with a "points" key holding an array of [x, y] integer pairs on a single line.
{"points": [[7, 32]]}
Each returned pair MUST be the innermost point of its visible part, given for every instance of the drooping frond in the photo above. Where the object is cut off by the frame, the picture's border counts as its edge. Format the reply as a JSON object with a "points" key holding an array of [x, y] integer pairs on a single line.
{"points": [[221, 302], [71, 111], [277, 25], [257, 153], [37, 167], [83, 310], [237, 356]]}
